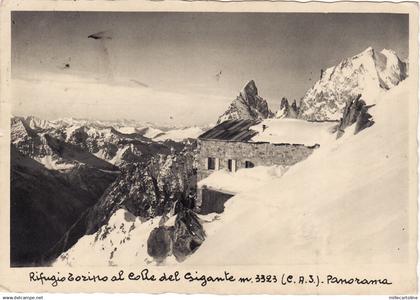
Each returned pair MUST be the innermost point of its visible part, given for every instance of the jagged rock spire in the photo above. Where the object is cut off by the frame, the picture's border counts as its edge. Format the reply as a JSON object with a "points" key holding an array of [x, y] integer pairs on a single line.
{"points": [[286, 110], [248, 105]]}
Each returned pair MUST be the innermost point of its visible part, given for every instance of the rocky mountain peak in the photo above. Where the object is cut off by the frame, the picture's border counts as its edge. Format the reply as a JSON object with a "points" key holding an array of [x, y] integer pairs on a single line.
{"points": [[294, 105], [248, 105], [366, 73], [37, 123], [284, 103], [18, 130], [250, 89], [368, 51]]}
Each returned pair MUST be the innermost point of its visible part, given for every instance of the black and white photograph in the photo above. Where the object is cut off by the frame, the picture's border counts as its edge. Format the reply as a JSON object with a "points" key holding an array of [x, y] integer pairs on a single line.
{"points": [[166, 139]]}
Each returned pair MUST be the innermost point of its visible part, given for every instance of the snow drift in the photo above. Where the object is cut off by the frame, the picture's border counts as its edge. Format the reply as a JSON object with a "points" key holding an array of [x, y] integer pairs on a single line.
{"points": [[242, 180], [293, 131]]}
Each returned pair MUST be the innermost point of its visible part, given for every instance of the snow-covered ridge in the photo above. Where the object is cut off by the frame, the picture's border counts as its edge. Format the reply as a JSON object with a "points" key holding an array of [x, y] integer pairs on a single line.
{"points": [[367, 73], [122, 242]]}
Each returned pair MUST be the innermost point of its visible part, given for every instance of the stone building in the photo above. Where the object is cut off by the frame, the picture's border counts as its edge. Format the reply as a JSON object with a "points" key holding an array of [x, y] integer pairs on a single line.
{"points": [[228, 146]]}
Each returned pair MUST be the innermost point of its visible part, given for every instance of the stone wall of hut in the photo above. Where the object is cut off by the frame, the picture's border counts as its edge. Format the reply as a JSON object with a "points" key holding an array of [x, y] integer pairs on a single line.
{"points": [[259, 154]]}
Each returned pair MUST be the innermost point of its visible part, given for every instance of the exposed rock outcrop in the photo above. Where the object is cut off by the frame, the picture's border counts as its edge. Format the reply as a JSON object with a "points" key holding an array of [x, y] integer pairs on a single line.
{"points": [[248, 105], [159, 244], [179, 240], [355, 111]]}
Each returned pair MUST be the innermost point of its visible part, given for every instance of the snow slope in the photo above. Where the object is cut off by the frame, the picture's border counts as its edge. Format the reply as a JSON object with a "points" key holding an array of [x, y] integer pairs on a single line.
{"points": [[126, 129], [352, 193], [122, 242], [152, 132], [118, 158], [53, 163]]}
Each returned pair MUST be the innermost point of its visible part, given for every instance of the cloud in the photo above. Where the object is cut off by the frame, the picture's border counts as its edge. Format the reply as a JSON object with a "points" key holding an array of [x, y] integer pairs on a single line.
{"points": [[63, 95]]}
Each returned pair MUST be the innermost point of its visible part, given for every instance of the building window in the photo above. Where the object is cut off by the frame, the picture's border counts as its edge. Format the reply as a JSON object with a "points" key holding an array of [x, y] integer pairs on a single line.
{"points": [[232, 165], [211, 163], [248, 164]]}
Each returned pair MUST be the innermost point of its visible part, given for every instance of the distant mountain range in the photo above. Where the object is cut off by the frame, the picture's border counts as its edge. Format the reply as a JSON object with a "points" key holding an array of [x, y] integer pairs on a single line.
{"points": [[64, 143]]}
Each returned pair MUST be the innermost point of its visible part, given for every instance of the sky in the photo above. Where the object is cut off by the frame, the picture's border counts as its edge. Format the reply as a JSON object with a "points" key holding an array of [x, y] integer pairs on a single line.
{"points": [[180, 68]]}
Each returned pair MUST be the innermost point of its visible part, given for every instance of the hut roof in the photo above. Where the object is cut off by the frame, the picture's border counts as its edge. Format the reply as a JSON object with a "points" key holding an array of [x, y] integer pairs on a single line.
{"points": [[231, 130]]}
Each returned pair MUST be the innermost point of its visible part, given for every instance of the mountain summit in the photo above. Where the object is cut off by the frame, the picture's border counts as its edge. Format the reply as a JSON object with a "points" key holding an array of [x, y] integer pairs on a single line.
{"points": [[366, 73], [248, 105]]}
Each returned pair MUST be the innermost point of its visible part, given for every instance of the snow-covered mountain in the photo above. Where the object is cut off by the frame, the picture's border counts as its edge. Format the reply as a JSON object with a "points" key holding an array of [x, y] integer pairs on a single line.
{"points": [[248, 105], [367, 73], [30, 137], [37, 123]]}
